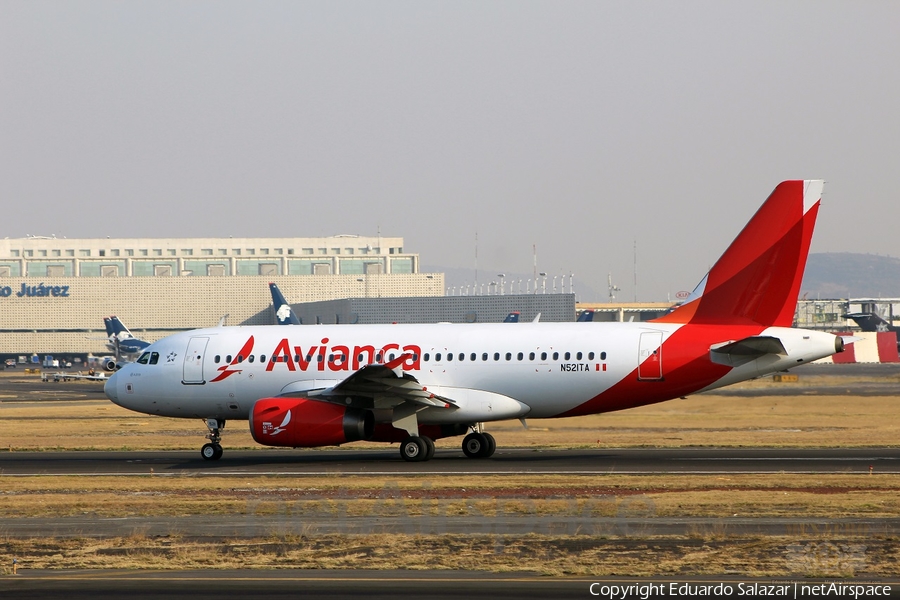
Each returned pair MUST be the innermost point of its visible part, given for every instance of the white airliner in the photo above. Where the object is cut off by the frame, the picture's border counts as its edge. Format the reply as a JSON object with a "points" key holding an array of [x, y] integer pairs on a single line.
{"points": [[330, 384]]}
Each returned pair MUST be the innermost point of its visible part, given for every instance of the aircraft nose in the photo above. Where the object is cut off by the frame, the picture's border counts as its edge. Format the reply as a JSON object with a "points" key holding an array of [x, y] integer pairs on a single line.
{"points": [[110, 387]]}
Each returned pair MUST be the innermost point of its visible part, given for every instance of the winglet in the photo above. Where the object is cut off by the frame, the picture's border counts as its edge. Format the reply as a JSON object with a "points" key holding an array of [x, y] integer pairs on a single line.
{"points": [[757, 279]]}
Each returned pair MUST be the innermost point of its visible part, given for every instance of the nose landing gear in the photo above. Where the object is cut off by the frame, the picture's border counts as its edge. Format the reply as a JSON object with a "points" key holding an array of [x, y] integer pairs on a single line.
{"points": [[213, 450]]}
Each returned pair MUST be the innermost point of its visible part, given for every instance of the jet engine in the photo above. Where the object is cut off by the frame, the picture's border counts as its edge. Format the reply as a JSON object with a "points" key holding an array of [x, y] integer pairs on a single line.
{"points": [[108, 363], [305, 423]]}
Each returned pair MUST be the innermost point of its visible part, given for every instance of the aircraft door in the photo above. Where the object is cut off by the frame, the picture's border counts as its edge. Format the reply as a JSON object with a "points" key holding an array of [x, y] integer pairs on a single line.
{"points": [[193, 361], [650, 356]]}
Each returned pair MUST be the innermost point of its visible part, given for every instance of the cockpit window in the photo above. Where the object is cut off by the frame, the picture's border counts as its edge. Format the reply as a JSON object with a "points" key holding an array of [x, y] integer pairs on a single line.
{"points": [[154, 358], [144, 358]]}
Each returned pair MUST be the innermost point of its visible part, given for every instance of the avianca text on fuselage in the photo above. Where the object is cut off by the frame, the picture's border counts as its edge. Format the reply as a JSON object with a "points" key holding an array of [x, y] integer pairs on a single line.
{"points": [[338, 357]]}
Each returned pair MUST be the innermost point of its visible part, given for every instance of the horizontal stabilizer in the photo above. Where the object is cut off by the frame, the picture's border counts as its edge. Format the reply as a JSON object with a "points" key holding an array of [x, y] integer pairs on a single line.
{"points": [[734, 354]]}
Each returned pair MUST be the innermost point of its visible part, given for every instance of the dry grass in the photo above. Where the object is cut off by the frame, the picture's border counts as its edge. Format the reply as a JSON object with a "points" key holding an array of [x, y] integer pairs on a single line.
{"points": [[604, 496], [570, 555]]}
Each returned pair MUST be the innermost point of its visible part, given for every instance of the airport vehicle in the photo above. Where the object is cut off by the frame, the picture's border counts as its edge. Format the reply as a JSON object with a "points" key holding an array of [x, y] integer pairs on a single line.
{"points": [[284, 314], [412, 384]]}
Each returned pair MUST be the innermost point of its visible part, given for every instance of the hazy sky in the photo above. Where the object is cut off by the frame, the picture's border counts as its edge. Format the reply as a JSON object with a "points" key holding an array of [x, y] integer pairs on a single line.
{"points": [[580, 127]]}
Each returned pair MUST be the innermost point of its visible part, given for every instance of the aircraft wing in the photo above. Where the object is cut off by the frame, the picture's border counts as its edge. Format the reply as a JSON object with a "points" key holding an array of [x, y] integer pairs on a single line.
{"points": [[380, 386], [68, 376]]}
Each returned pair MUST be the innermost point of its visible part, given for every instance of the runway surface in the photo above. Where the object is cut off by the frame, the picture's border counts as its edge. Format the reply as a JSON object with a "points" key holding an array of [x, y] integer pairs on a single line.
{"points": [[387, 462]]}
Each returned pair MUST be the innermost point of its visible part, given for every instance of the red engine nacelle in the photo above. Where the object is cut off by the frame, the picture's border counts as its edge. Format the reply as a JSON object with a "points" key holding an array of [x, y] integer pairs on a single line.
{"points": [[305, 423]]}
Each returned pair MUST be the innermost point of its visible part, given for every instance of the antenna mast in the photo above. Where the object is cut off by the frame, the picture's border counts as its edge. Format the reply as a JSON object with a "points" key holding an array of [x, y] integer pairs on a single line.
{"points": [[612, 288]]}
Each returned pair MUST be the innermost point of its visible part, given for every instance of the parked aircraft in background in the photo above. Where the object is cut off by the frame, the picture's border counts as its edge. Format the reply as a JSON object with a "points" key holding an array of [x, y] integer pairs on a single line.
{"points": [[872, 322], [586, 316], [124, 346], [120, 339], [284, 314], [412, 384], [512, 317]]}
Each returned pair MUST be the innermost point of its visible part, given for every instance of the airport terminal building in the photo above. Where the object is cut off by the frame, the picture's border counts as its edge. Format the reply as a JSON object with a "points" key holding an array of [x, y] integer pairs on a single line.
{"points": [[54, 292]]}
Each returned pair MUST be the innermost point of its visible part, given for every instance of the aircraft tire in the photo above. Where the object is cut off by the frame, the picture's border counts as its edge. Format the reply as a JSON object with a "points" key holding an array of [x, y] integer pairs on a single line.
{"points": [[429, 443], [414, 449], [211, 451], [475, 445], [492, 445]]}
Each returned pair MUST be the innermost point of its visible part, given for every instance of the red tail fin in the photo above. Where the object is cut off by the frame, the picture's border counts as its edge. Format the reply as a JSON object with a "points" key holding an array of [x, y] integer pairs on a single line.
{"points": [[757, 280]]}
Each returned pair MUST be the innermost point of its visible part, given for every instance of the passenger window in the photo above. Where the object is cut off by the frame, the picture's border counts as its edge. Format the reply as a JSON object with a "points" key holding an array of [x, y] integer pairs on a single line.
{"points": [[251, 358], [543, 356], [590, 356], [519, 356], [154, 358], [531, 356], [228, 358], [437, 357], [217, 358], [472, 356], [240, 358], [462, 356], [426, 357], [415, 357], [262, 358], [496, 356], [449, 356], [509, 356], [556, 356], [603, 356], [568, 355], [578, 356], [320, 358], [144, 358], [484, 356]]}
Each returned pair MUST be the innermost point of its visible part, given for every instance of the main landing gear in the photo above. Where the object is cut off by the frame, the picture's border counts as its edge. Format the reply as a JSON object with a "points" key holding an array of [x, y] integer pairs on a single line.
{"points": [[417, 448], [479, 444], [213, 450]]}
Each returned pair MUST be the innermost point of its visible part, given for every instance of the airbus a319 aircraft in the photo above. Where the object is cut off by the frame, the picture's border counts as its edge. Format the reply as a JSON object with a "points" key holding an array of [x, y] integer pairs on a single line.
{"points": [[331, 384]]}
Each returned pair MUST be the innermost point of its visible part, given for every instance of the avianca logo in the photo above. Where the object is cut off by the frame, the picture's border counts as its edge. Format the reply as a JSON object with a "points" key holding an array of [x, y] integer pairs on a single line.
{"points": [[226, 370], [324, 358], [342, 358], [268, 429]]}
